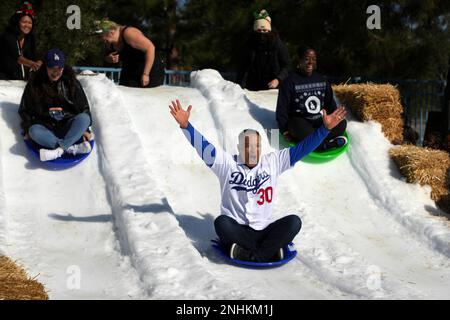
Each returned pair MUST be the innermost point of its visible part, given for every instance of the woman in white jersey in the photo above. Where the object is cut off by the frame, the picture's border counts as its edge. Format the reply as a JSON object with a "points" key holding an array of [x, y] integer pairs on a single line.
{"points": [[247, 183]]}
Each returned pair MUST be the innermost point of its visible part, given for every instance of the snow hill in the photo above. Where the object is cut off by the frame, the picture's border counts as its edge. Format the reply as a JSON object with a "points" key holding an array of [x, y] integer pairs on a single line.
{"points": [[134, 220]]}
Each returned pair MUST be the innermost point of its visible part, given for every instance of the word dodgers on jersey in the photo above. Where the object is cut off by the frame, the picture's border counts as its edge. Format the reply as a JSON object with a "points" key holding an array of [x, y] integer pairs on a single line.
{"points": [[247, 193]]}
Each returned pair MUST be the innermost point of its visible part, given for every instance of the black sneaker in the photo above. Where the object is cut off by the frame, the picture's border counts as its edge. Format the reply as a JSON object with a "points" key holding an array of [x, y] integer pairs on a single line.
{"points": [[337, 142], [281, 254], [239, 253], [278, 256]]}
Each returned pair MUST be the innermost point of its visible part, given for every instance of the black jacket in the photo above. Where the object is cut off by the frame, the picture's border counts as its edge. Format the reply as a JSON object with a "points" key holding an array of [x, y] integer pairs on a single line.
{"points": [[33, 110], [9, 54], [302, 96], [263, 62]]}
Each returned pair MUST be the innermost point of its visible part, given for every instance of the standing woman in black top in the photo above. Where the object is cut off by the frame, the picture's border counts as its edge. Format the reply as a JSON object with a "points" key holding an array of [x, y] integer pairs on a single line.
{"points": [[18, 55], [265, 62], [141, 65]]}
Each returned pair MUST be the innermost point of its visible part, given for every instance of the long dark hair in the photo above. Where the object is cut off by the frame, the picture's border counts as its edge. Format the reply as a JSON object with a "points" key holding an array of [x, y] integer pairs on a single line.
{"points": [[42, 90], [13, 25]]}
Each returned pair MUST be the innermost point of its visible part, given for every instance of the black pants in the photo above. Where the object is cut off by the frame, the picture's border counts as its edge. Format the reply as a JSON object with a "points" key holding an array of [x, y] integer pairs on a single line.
{"points": [[299, 128], [264, 244]]}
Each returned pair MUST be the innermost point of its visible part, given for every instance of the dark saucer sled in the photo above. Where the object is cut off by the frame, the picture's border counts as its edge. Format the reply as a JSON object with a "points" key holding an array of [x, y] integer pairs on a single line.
{"points": [[289, 254], [64, 162], [323, 156]]}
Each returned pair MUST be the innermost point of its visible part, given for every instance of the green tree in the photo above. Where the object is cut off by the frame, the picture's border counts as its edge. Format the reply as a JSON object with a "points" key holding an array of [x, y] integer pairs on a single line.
{"points": [[52, 30], [157, 19], [213, 33], [413, 41]]}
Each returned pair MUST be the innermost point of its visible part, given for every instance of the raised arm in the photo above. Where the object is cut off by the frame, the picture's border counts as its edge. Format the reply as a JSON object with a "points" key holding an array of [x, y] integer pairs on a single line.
{"points": [[311, 142], [204, 149]]}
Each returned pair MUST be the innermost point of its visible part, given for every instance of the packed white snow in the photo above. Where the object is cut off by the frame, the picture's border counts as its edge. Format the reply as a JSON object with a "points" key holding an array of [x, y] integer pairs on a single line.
{"points": [[135, 219]]}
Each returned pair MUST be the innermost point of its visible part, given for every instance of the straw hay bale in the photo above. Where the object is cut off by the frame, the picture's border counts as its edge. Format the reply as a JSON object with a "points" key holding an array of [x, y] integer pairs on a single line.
{"points": [[15, 284], [426, 167], [378, 102]]}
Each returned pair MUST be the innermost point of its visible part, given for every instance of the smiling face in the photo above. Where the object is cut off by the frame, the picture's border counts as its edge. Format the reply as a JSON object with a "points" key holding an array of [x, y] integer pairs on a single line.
{"points": [[55, 73], [25, 25], [249, 148], [308, 62]]}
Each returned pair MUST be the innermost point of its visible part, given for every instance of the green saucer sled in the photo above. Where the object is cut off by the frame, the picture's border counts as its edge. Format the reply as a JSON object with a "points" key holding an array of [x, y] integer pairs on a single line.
{"points": [[321, 157]]}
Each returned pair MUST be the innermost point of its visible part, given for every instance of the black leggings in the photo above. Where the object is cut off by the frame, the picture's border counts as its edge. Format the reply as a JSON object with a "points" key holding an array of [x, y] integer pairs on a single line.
{"points": [[300, 128], [264, 244]]}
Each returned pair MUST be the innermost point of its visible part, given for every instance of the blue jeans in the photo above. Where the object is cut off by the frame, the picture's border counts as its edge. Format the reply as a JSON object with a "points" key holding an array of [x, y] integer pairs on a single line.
{"points": [[65, 137], [264, 244]]}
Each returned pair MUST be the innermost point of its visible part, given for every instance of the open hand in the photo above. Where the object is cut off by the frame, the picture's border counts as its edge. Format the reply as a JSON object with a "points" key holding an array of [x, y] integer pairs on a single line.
{"points": [[273, 84], [87, 136], [332, 120], [35, 65], [113, 57], [179, 114]]}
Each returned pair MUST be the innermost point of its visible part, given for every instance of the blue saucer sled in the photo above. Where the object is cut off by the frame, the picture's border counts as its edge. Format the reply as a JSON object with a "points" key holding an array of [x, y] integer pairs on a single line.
{"points": [[64, 162], [289, 254]]}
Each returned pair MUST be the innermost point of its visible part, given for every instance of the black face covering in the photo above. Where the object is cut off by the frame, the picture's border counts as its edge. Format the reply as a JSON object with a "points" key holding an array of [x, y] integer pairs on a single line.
{"points": [[263, 38]]}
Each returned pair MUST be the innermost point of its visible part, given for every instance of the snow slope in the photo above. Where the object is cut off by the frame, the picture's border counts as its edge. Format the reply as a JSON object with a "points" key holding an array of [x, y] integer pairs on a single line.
{"points": [[59, 223], [136, 217]]}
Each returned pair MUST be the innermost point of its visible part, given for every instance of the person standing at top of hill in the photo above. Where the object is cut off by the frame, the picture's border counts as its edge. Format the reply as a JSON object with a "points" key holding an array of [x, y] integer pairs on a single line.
{"points": [[265, 62], [18, 56], [142, 66]]}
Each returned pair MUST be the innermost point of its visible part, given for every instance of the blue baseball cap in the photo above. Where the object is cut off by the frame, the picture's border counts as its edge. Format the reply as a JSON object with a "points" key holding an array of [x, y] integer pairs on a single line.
{"points": [[55, 58]]}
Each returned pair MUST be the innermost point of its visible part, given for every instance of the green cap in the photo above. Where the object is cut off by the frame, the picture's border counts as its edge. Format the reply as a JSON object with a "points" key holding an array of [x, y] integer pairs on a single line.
{"points": [[104, 26]]}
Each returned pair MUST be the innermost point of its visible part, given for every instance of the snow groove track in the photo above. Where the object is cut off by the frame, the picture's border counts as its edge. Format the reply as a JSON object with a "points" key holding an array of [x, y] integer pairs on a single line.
{"points": [[193, 193], [136, 217], [148, 230], [59, 222], [348, 239], [331, 262], [396, 197]]}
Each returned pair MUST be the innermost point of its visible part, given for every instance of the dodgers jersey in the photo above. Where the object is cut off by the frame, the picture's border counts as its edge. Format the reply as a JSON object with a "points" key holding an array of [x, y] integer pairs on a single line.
{"points": [[247, 194]]}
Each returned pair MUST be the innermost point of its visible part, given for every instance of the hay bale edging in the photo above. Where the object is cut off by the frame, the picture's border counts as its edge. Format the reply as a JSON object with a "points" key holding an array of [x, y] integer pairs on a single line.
{"points": [[16, 285]]}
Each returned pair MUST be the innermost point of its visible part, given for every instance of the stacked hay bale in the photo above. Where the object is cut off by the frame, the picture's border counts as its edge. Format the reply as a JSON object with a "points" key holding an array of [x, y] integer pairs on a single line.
{"points": [[382, 103], [15, 284], [378, 102], [426, 167]]}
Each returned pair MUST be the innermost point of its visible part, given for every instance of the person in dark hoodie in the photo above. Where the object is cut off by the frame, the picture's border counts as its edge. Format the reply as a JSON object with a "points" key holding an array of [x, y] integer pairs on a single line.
{"points": [[304, 98], [266, 59], [55, 111], [18, 56]]}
